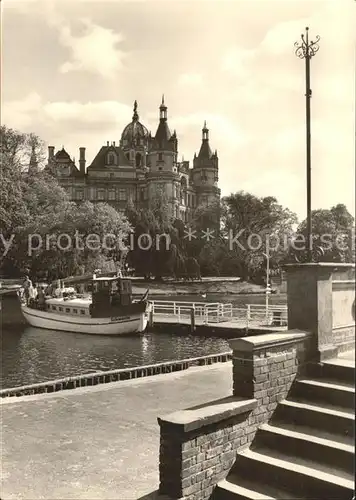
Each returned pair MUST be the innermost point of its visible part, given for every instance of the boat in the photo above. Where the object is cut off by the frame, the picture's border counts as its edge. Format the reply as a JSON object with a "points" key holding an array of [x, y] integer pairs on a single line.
{"points": [[109, 310]]}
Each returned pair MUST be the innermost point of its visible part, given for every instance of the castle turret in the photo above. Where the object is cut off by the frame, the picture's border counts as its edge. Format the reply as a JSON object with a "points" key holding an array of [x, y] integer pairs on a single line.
{"points": [[206, 171], [162, 159], [164, 146]]}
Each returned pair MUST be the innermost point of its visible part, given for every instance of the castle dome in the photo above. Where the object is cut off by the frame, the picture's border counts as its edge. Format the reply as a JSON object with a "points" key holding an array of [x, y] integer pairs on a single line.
{"points": [[134, 134]]}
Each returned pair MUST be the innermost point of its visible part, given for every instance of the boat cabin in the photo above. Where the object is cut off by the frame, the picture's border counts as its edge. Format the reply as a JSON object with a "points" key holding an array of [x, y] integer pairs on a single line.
{"points": [[109, 294]]}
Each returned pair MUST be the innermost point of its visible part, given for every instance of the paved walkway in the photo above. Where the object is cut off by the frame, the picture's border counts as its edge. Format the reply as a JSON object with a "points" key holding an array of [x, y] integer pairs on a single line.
{"points": [[97, 443]]}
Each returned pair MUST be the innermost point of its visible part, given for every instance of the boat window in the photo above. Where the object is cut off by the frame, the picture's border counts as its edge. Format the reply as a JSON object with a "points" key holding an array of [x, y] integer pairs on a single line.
{"points": [[60, 308], [82, 311], [75, 311], [67, 309]]}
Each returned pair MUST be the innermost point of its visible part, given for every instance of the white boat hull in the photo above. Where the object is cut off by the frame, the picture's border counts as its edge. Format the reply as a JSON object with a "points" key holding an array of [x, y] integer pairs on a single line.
{"points": [[134, 323]]}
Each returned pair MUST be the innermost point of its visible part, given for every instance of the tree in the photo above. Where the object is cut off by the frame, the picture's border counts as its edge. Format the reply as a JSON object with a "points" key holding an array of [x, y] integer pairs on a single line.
{"points": [[46, 230], [255, 226], [333, 233]]}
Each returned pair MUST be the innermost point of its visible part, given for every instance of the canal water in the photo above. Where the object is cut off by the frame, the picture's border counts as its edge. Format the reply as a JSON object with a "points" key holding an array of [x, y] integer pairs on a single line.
{"points": [[31, 355]]}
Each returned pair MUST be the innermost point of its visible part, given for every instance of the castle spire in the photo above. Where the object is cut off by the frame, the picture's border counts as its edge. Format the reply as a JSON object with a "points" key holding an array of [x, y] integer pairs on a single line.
{"points": [[205, 132], [163, 110], [135, 116]]}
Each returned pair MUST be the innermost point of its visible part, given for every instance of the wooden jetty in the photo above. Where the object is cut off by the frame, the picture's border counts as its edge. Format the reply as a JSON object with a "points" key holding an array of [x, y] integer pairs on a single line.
{"points": [[218, 316]]}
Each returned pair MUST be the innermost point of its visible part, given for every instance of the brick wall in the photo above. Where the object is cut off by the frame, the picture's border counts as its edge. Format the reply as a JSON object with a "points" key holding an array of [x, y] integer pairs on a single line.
{"points": [[199, 446], [192, 462]]}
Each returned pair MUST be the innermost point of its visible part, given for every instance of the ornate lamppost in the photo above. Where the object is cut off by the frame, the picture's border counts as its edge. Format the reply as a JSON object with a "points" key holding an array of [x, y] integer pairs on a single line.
{"points": [[306, 49]]}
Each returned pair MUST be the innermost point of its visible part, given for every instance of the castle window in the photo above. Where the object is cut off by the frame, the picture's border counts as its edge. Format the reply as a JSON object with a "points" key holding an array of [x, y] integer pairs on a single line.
{"points": [[183, 190], [138, 160], [111, 158], [112, 194], [122, 195], [160, 156], [128, 156]]}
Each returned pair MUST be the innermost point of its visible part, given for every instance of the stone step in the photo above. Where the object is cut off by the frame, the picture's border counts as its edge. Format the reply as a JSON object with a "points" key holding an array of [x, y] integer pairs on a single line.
{"points": [[296, 443], [337, 370], [236, 487], [228, 489], [301, 479], [316, 432], [324, 391], [335, 421]]}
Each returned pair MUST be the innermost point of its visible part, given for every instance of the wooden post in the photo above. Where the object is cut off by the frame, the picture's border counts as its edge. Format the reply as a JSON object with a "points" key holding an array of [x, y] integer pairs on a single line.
{"points": [[192, 320], [150, 318]]}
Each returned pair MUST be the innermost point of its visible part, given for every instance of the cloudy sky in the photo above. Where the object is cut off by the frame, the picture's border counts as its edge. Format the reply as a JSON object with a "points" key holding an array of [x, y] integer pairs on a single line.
{"points": [[72, 69]]}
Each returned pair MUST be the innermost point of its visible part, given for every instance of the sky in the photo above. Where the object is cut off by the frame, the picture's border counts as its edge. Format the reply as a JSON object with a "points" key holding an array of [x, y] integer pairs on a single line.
{"points": [[73, 68]]}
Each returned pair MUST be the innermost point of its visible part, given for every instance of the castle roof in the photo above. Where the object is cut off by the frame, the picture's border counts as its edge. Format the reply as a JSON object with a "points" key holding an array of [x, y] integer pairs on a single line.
{"points": [[62, 155], [100, 159], [134, 131], [205, 152], [163, 138]]}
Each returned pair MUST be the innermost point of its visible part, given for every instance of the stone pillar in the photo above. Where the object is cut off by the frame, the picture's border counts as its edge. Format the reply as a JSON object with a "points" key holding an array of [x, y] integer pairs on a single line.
{"points": [[265, 366], [310, 305]]}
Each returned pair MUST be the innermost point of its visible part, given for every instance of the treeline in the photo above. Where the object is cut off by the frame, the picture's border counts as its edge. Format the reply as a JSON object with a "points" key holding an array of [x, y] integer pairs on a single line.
{"points": [[45, 234]]}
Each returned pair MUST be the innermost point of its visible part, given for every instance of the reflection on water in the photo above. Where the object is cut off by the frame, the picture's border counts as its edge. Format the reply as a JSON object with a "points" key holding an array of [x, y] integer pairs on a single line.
{"points": [[31, 355], [36, 355]]}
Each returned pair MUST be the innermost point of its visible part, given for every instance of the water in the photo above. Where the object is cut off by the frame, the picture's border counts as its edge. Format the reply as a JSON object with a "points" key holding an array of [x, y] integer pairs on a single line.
{"points": [[31, 355]]}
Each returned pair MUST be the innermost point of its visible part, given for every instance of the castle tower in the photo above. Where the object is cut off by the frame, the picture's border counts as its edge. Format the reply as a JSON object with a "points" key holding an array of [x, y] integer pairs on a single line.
{"points": [[206, 172], [164, 146], [162, 160]]}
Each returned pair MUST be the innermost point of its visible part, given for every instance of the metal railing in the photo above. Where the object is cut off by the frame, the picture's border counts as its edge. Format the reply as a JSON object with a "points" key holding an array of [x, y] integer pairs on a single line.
{"points": [[217, 312]]}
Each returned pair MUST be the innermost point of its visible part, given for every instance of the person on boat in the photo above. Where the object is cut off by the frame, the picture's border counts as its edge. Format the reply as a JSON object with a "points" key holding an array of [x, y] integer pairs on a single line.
{"points": [[58, 291], [49, 290], [41, 297], [27, 286]]}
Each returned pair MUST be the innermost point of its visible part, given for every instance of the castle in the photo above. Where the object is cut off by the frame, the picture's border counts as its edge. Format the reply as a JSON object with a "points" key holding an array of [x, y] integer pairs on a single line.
{"points": [[138, 168]]}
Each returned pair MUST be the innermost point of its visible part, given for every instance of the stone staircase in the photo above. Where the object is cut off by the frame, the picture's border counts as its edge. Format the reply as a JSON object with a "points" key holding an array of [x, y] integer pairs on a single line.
{"points": [[306, 451]]}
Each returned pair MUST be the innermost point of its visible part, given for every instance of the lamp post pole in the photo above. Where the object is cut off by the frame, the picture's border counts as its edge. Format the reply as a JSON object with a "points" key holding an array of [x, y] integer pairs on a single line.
{"points": [[268, 289], [306, 49]]}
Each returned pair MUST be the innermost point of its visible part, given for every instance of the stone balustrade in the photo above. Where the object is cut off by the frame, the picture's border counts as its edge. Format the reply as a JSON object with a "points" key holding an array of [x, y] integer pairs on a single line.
{"points": [[199, 445]]}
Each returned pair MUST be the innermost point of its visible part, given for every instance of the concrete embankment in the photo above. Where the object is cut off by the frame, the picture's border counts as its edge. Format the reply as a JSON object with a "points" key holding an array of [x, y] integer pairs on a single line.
{"points": [[104, 377], [97, 442]]}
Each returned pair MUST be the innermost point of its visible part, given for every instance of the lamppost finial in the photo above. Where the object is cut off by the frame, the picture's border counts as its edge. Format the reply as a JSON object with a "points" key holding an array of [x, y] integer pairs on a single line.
{"points": [[306, 48]]}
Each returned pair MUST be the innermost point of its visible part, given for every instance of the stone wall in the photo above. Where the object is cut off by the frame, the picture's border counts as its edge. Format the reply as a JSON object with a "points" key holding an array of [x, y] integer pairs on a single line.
{"points": [[196, 453], [199, 445]]}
